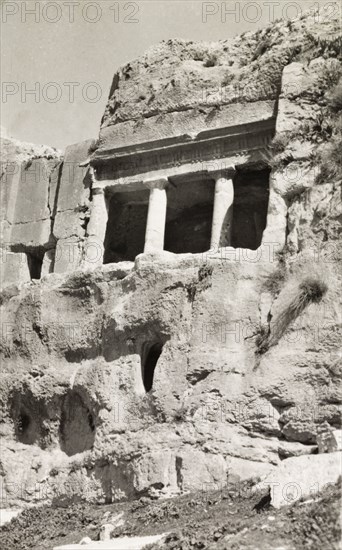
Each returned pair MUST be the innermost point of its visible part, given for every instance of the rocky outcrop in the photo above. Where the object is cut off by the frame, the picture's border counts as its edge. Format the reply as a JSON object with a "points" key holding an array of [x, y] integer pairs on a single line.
{"points": [[27, 200], [45, 210], [183, 87], [242, 346]]}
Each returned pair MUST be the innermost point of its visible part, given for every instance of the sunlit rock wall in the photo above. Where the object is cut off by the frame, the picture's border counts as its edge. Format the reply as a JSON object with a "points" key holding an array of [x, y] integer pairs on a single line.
{"points": [[249, 370]]}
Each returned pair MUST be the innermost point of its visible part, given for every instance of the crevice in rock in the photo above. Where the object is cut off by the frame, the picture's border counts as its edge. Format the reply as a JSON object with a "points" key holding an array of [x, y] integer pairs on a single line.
{"points": [[179, 476], [53, 207], [198, 376], [203, 282]]}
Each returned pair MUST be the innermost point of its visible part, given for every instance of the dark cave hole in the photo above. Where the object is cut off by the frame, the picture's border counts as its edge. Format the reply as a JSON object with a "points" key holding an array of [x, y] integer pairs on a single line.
{"points": [[35, 263], [78, 425], [23, 423], [27, 431], [91, 422], [149, 364]]}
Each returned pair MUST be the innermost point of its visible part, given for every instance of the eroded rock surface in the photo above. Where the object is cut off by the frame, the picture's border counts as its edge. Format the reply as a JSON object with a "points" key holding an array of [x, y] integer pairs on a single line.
{"points": [[176, 372]]}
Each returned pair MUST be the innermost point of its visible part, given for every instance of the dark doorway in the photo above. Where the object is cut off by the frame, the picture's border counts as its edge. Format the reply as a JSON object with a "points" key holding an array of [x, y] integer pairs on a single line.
{"points": [[149, 362], [35, 262], [125, 233], [189, 217], [251, 192]]}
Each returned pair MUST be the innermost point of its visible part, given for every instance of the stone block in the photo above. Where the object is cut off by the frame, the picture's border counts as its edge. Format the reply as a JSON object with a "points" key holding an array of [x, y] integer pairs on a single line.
{"points": [[156, 470], [201, 471], [68, 255], [14, 268], [74, 188], [240, 469], [10, 182], [33, 192], [48, 262], [35, 233], [68, 224], [302, 477], [73, 193], [25, 197]]}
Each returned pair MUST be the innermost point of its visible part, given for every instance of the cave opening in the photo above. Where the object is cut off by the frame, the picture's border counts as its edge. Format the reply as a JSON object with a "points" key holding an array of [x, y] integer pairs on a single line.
{"points": [[29, 418], [78, 425], [150, 358], [189, 216], [26, 429], [126, 226]]}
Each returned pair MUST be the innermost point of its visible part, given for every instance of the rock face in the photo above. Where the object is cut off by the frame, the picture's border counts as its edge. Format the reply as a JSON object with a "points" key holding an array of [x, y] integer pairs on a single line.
{"points": [[168, 371], [28, 201]]}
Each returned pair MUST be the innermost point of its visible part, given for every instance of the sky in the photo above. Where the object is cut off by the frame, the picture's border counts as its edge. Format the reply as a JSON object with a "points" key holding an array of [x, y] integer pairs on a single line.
{"points": [[59, 57]]}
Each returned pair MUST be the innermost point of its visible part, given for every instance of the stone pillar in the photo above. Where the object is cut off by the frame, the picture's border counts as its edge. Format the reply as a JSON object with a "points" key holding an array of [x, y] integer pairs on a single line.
{"points": [[223, 209], [94, 248], [156, 217]]}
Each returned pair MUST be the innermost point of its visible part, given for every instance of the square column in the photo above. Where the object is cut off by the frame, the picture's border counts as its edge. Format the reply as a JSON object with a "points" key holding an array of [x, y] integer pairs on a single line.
{"points": [[96, 229], [223, 208], [156, 217]]}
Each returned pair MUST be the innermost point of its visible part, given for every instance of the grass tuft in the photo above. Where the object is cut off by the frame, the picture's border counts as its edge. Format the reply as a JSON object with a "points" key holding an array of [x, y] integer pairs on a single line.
{"points": [[335, 98], [330, 162], [310, 291], [211, 60]]}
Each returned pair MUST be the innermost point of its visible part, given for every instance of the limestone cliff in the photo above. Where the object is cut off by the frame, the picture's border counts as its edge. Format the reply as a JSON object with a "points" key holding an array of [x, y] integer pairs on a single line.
{"points": [[245, 343]]}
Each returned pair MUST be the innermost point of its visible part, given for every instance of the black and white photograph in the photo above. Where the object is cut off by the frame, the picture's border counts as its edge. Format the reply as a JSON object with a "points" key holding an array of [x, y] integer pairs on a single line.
{"points": [[170, 275]]}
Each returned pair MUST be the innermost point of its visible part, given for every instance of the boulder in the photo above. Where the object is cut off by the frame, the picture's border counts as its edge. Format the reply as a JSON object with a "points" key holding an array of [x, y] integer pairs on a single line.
{"points": [[302, 477]]}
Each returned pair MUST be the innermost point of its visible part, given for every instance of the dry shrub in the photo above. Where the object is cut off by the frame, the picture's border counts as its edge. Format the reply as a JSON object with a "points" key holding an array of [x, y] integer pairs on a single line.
{"points": [[335, 98], [262, 340], [276, 156], [330, 162], [310, 291], [211, 60]]}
